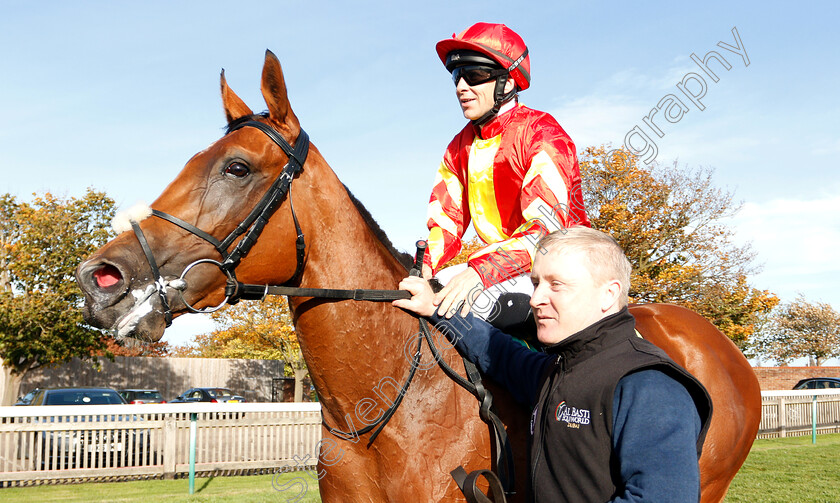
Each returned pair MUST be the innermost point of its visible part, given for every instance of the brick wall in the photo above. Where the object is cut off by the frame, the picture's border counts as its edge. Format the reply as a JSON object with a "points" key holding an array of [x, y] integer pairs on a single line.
{"points": [[783, 378]]}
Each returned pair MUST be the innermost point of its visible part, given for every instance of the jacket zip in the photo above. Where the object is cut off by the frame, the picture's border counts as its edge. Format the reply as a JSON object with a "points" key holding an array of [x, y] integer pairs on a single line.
{"points": [[553, 383]]}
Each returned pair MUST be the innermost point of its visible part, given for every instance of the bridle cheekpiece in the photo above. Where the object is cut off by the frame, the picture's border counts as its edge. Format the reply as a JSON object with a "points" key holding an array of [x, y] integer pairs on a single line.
{"points": [[249, 229]]}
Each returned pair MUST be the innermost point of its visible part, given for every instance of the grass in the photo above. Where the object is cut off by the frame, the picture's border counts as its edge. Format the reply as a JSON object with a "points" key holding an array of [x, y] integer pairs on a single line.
{"points": [[259, 488], [781, 470], [785, 470]]}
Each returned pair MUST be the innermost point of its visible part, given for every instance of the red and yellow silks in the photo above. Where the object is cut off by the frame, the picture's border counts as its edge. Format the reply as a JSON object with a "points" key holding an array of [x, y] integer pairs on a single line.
{"points": [[515, 183]]}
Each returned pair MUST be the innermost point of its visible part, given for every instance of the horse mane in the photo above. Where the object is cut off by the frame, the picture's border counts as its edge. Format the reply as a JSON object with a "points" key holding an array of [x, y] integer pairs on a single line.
{"points": [[405, 259]]}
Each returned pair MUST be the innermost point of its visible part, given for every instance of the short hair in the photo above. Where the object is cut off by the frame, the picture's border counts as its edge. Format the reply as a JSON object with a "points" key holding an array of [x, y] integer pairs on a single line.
{"points": [[606, 259]]}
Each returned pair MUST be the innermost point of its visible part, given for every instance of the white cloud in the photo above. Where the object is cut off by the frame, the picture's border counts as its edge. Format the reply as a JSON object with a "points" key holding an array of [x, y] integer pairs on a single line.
{"points": [[621, 102], [595, 120], [797, 240], [617, 104], [705, 144]]}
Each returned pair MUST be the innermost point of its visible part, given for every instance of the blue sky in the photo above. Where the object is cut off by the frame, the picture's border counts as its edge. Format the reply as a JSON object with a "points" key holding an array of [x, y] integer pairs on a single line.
{"points": [[119, 95]]}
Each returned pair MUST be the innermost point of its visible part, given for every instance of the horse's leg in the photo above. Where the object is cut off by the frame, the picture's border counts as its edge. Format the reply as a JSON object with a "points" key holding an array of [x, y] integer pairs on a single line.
{"points": [[405, 463], [697, 345], [412, 458], [349, 471]]}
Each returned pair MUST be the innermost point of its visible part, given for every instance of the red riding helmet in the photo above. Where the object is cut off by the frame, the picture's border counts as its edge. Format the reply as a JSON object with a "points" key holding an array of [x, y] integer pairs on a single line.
{"points": [[496, 41]]}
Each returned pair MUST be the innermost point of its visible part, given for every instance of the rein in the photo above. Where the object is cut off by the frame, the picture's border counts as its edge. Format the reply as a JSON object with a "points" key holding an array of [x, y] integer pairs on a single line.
{"points": [[251, 228]]}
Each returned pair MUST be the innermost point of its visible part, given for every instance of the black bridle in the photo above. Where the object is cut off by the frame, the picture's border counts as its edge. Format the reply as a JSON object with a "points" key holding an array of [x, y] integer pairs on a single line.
{"points": [[250, 229]]}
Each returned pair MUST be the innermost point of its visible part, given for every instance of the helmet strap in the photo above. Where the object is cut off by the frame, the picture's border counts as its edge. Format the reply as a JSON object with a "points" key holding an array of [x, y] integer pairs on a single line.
{"points": [[499, 99]]}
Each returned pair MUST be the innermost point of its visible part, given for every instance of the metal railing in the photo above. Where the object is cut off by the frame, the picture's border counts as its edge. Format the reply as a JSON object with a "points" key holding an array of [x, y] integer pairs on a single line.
{"points": [[799, 413], [73, 442]]}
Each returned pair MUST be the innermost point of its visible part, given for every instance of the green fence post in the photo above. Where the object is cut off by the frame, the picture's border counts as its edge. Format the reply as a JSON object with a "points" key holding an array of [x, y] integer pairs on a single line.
{"points": [[193, 428]]}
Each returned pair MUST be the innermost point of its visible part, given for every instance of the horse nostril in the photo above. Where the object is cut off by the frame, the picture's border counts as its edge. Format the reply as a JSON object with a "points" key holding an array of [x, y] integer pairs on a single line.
{"points": [[107, 276]]}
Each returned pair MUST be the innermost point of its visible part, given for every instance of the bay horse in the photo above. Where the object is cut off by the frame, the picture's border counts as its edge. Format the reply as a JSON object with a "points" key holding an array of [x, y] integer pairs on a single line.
{"points": [[355, 351]]}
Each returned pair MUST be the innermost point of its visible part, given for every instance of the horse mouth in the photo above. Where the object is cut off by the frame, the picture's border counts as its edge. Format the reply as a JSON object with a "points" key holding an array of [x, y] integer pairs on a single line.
{"points": [[127, 324], [137, 315], [113, 303]]}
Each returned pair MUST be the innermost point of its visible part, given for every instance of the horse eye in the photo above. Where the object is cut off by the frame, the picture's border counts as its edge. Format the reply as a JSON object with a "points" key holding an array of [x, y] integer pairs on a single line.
{"points": [[237, 169]]}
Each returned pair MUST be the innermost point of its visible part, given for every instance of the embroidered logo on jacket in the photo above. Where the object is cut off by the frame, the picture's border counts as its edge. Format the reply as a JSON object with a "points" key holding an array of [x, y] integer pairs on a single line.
{"points": [[572, 416]]}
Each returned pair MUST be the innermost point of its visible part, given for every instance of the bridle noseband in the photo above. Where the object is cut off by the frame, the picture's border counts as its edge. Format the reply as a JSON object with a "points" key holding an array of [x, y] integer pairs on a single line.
{"points": [[249, 229]]}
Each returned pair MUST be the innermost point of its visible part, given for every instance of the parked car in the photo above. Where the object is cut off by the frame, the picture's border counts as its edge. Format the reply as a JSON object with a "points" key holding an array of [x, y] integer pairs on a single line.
{"points": [[208, 395], [86, 448], [76, 396], [819, 383], [141, 396], [25, 399]]}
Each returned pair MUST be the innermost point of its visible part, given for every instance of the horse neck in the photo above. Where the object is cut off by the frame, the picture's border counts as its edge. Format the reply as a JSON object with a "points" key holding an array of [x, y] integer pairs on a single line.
{"points": [[349, 346]]}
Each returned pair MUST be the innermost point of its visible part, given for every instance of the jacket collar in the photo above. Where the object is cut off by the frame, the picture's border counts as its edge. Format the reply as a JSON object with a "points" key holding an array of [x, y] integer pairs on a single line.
{"points": [[592, 338], [496, 125]]}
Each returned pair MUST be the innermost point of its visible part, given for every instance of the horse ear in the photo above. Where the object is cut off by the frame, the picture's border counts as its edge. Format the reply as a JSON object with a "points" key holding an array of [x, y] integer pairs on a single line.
{"points": [[274, 93], [234, 106]]}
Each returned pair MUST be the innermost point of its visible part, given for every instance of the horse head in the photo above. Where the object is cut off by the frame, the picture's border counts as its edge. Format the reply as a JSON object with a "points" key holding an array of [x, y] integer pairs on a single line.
{"points": [[132, 287]]}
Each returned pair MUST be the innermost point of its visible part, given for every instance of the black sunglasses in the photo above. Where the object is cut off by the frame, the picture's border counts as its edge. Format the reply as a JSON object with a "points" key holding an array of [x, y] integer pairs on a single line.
{"points": [[476, 74]]}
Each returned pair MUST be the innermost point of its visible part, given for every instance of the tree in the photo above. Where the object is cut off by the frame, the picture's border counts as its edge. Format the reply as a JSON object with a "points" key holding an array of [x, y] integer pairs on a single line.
{"points": [[801, 329], [256, 330], [670, 222], [133, 347], [467, 248], [41, 244]]}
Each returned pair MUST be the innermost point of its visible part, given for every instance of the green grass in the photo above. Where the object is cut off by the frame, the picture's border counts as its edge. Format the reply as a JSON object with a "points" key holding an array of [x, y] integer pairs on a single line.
{"points": [[257, 488], [783, 470], [787, 470]]}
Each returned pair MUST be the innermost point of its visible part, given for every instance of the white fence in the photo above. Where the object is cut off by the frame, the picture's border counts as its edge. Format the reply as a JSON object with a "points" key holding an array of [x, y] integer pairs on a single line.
{"points": [[110, 442], [798, 413], [72, 442]]}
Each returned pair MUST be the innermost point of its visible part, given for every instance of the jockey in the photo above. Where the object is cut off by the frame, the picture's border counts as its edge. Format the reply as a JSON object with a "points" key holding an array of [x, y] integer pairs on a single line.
{"points": [[512, 171]]}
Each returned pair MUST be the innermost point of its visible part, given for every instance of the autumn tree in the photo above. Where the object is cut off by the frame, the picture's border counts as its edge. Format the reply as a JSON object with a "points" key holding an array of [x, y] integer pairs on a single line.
{"points": [[135, 348], [467, 248], [801, 329], [253, 330], [41, 244], [670, 221]]}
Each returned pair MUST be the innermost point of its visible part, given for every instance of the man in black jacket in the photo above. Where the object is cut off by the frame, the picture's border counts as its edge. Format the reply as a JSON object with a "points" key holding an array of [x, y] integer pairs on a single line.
{"points": [[613, 417]]}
